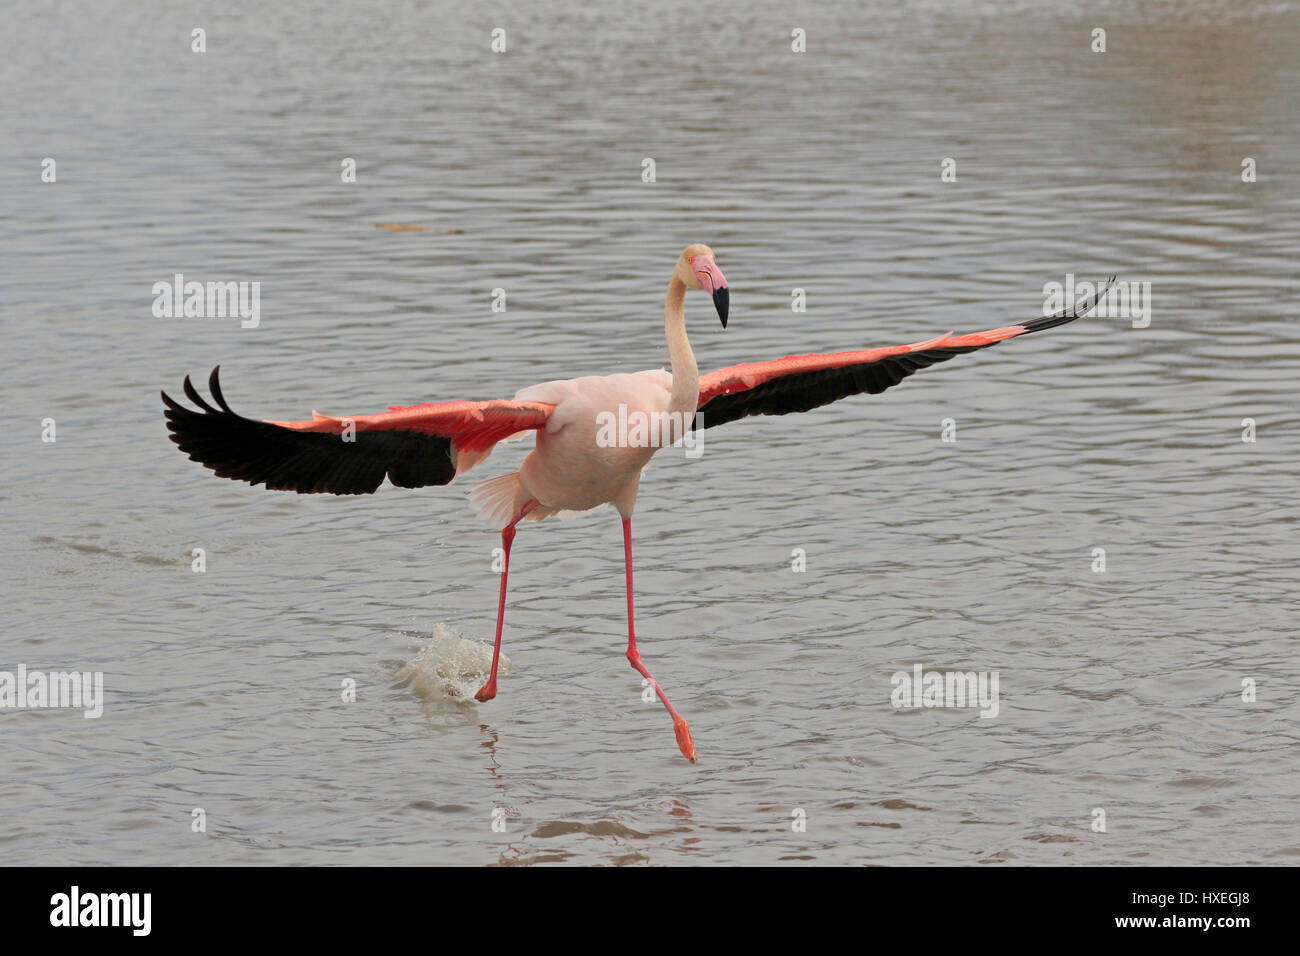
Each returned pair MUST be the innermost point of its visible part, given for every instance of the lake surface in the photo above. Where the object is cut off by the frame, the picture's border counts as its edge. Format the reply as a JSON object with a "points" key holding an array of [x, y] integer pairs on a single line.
{"points": [[1120, 690]]}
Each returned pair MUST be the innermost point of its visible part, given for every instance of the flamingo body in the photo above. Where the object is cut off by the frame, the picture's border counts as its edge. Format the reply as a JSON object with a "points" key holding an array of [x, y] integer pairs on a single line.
{"points": [[570, 470]]}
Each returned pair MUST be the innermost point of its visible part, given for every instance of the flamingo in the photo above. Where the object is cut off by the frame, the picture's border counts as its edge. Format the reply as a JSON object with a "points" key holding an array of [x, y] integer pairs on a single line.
{"points": [[570, 469]]}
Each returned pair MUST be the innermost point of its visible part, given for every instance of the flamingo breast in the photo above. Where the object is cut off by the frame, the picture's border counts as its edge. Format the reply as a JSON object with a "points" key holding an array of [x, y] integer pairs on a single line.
{"points": [[591, 452]]}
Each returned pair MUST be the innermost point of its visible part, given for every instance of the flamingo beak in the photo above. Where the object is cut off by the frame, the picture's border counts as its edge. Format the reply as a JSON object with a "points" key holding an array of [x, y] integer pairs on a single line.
{"points": [[714, 282]]}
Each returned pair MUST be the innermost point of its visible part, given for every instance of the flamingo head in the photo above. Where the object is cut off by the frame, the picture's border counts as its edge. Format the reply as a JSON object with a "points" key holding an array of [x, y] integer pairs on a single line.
{"points": [[697, 270]]}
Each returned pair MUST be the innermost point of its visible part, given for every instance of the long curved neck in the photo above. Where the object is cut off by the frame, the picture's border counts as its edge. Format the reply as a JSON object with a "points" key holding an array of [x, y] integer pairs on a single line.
{"points": [[686, 374]]}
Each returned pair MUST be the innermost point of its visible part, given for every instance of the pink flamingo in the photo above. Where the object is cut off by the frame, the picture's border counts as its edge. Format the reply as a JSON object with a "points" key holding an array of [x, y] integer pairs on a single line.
{"points": [[574, 466]]}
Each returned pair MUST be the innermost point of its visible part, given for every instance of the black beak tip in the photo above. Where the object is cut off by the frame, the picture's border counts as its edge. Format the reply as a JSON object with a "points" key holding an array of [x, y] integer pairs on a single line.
{"points": [[721, 300]]}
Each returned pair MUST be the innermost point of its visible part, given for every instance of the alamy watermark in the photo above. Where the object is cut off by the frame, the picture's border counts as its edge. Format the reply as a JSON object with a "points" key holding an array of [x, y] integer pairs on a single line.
{"points": [[129, 910], [208, 300], [23, 690], [1125, 300], [945, 689], [634, 428]]}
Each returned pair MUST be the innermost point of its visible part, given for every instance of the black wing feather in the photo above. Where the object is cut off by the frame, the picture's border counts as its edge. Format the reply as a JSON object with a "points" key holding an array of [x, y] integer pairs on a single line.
{"points": [[284, 459], [802, 391]]}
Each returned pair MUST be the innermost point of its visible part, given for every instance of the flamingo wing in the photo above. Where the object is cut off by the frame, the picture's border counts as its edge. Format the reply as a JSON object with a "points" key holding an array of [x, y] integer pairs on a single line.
{"points": [[419, 445], [798, 383]]}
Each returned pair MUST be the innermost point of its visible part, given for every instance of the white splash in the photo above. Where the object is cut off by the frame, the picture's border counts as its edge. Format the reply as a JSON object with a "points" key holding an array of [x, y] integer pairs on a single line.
{"points": [[449, 666]]}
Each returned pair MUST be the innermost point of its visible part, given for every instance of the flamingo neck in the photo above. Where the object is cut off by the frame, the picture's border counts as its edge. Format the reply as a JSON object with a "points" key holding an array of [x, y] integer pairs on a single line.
{"points": [[686, 374]]}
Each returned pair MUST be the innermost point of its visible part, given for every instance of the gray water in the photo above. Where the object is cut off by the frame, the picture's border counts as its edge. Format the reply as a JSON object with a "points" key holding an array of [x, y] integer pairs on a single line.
{"points": [[1119, 690]]}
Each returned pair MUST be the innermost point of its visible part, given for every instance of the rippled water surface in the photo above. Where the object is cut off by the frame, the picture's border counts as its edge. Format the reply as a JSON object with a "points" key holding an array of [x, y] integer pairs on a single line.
{"points": [[1120, 690]]}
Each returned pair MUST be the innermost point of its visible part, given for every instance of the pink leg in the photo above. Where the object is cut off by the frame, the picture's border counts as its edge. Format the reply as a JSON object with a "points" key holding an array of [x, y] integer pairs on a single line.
{"points": [[680, 727], [489, 690]]}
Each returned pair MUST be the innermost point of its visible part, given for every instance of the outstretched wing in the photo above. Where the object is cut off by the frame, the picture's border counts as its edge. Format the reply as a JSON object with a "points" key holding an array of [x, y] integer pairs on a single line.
{"points": [[415, 446], [798, 383]]}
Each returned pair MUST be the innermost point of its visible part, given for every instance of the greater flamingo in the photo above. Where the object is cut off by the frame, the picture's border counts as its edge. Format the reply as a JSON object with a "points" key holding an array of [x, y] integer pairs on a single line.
{"points": [[571, 468]]}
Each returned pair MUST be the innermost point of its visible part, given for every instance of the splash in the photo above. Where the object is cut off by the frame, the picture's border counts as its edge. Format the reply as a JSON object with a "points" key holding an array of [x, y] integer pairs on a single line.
{"points": [[449, 666]]}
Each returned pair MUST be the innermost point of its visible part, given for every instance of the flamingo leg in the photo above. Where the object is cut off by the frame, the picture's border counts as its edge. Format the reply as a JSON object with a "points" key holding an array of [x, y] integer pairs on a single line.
{"points": [[489, 690], [680, 727]]}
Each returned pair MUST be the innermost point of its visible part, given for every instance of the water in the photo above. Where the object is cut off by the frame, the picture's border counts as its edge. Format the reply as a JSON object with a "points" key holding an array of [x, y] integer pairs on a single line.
{"points": [[1119, 690]]}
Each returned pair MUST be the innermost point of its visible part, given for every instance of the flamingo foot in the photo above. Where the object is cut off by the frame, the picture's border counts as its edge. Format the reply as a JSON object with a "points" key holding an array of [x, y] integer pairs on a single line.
{"points": [[489, 690], [684, 741]]}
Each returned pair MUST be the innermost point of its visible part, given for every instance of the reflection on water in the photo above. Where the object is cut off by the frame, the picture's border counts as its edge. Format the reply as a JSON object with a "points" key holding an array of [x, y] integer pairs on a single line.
{"points": [[817, 171]]}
